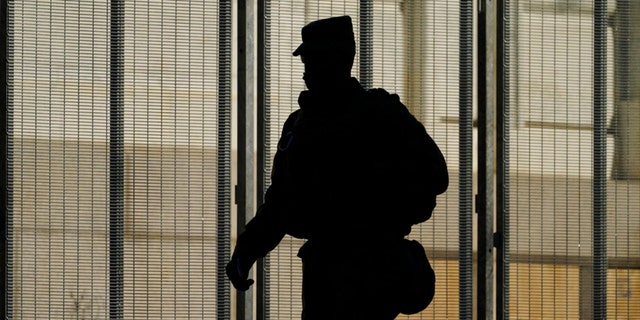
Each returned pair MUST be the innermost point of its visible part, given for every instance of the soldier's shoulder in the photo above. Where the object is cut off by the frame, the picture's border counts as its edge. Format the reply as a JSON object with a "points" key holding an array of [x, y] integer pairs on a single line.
{"points": [[291, 121], [386, 102], [381, 93], [295, 114]]}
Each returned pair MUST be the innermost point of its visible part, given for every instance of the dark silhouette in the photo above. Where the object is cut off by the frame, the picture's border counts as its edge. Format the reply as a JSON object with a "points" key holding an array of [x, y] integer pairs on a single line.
{"points": [[353, 172]]}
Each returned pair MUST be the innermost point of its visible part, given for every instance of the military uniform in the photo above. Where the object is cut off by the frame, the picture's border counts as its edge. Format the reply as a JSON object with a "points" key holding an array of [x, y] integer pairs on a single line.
{"points": [[353, 172]]}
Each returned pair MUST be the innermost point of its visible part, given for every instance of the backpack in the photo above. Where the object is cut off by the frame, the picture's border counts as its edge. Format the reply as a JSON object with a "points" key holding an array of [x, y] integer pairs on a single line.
{"points": [[374, 157], [423, 173]]}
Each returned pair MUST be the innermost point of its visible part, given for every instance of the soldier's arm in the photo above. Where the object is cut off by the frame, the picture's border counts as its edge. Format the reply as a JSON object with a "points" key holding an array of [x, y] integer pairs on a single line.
{"points": [[264, 232]]}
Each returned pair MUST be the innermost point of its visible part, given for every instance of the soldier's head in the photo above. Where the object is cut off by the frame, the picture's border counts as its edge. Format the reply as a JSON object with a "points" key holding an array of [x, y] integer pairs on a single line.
{"points": [[327, 51]]}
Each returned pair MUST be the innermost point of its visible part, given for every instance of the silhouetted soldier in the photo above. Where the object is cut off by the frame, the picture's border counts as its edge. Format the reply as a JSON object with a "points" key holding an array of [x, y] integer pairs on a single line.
{"points": [[354, 170]]}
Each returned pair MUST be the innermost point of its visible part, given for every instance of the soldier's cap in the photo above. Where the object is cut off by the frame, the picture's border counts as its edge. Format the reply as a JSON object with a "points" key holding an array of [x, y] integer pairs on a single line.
{"points": [[329, 34]]}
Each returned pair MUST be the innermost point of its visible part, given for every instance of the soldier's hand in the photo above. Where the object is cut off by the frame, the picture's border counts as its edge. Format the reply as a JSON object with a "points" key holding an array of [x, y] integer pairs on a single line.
{"points": [[238, 272]]}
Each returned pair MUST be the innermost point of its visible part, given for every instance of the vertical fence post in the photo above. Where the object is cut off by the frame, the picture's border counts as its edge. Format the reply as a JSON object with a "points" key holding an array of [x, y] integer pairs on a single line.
{"points": [[487, 21], [224, 160], [245, 194], [600, 160], [465, 214], [262, 303], [4, 171], [116, 162], [501, 241], [366, 43]]}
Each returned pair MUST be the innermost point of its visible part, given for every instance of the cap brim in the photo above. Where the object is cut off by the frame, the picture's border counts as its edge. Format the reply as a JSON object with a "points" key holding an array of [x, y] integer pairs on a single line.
{"points": [[299, 50]]}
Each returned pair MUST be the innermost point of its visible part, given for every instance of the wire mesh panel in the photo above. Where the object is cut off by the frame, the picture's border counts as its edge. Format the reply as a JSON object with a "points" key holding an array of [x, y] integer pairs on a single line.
{"points": [[177, 139], [407, 47], [59, 133], [101, 91], [573, 203]]}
